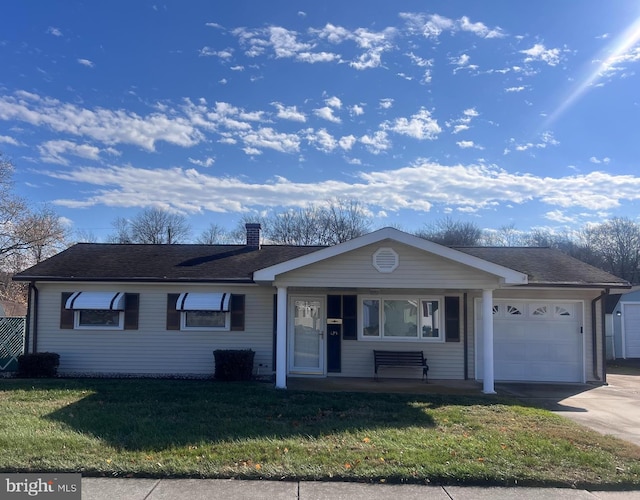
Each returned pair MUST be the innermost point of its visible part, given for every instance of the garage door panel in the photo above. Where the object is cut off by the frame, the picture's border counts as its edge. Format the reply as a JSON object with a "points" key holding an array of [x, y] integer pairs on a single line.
{"points": [[632, 330], [533, 346]]}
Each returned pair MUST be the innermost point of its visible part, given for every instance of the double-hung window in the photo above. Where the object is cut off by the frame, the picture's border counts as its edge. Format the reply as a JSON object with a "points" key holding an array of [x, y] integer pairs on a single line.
{"points": [[401, 318]]}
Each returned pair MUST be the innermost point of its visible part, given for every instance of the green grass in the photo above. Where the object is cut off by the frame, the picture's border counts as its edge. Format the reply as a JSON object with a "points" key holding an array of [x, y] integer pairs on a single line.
{"points": [[190, 428]]}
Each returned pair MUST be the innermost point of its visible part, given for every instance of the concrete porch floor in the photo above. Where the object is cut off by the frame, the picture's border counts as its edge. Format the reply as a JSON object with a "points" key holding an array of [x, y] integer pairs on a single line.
{"points": [[389, 385]]}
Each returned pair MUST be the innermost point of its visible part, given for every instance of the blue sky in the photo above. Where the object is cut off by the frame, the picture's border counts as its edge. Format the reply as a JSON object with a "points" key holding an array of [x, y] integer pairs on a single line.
{"points": [[501, 112]]}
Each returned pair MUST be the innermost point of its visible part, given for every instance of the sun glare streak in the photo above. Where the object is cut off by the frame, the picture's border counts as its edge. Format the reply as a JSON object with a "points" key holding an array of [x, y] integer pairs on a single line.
{"points": [[615, 50]]}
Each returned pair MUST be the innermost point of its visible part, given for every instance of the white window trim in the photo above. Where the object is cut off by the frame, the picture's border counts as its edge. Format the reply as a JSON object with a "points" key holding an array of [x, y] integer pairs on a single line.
{"points": [[381, 338], [78, 326], [225, 328]]}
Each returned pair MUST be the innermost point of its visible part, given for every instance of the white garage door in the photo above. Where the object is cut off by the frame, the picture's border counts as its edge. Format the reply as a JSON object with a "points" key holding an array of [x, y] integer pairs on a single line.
{"points": [[631, 325], [534, 341]]}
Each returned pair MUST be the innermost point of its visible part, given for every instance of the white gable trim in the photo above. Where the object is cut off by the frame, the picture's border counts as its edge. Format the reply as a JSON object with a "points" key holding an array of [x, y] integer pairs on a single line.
{"points": [[508, 276]]}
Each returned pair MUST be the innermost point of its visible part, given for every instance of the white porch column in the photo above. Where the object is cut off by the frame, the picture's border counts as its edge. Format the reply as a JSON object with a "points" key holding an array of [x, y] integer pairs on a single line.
{"points": [[281, 339], [487, 330]]}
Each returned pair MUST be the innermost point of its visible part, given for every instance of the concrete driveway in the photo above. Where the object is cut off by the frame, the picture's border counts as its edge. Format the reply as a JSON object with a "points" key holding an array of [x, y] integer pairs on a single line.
{"points": [[612, 409]]}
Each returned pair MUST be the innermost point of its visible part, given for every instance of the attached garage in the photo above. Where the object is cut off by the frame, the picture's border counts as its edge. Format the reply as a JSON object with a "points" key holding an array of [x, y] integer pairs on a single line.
{"points": [[631, 330], [534, 341]]}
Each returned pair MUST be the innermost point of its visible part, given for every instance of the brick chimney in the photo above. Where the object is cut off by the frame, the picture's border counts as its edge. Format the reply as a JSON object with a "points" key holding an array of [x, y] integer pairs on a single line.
{"points": [[253, 235]]}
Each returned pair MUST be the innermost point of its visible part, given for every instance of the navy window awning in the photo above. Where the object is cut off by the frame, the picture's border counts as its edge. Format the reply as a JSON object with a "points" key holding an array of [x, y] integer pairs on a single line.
{"points": [[110, 301], [200, 301]]}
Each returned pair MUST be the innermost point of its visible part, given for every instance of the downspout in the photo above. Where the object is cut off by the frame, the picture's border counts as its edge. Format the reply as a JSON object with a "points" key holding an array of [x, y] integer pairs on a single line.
{"points": [[35, 318], [465, 336], [594, 337], [604, 340], [27, 323]]}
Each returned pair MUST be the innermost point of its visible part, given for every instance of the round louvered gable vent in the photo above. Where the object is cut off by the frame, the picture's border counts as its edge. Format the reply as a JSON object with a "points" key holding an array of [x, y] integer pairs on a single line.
{"points": [[385, 260]]}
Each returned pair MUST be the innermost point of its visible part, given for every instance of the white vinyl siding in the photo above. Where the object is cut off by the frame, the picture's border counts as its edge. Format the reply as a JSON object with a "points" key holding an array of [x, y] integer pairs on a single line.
{"points": [[445, 360], [416, 269], [152, 349]]}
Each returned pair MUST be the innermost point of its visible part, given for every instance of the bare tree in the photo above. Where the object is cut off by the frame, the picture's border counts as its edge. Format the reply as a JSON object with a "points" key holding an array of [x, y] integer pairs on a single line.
{"points": [[334, 222], [27, 236], [616, 244], [213, 235], [304, 226], [450, 232], [153, 226], [346, 219]]}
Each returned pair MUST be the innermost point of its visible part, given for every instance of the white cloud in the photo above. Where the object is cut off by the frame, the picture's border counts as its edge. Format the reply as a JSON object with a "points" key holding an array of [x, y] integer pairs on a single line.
{"points": [[377, 142], [326, 113], [479, 29], [53, 151], [463, 123], [421, 126], [207, 162], [52, 30], [606, 160], [283, 42], [514, 89], [546, 139], [433, 25], [322, 140], [430, 26], [467, 187], [540, 53], [110, 127], [270, 139], [346, 142], [386, 103], [468, 144], [86, 62], [289, 112], [214, 25], [5, 139], [373, 44], [356, 110], [334, 34], [222, 54], [333, 102], [252, 151]]}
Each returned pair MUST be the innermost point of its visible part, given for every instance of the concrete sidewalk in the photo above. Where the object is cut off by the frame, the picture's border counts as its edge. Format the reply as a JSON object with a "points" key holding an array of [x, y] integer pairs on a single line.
{"points": [[229, 489]]}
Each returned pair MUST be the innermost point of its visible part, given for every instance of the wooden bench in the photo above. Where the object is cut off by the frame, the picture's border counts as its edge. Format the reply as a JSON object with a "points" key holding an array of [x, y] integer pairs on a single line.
{"points": [[400, 359]]}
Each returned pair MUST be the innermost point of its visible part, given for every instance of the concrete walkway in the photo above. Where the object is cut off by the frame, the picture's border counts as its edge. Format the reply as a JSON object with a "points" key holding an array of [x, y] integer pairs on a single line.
{"points": [[228, 489]]}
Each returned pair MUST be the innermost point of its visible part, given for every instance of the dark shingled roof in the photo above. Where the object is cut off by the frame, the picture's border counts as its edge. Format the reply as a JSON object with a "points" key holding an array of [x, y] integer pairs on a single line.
{"points": [[220, 263], [125, 262], [546, 266]]}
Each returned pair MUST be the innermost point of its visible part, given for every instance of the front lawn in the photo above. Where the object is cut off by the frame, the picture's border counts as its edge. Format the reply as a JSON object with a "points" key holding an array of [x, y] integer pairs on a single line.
{"points": [[198, 428]]}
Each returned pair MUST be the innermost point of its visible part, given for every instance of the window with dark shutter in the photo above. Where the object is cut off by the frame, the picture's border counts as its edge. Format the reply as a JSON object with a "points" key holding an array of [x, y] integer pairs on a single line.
{"points": [[237, 312], [452, 319], [66, 315]]}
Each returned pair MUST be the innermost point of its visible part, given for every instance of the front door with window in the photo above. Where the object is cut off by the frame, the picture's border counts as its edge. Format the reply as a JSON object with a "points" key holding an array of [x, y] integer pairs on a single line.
{"points": [[306, 335]]}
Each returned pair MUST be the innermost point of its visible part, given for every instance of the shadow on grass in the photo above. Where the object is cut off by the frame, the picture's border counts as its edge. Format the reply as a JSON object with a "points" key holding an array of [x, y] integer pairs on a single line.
{"points": [[544, 395], [156, 414]]}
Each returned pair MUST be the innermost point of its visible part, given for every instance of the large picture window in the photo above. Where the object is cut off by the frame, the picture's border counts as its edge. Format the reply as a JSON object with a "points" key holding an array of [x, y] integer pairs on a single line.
{"points": [[405, 318]]}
